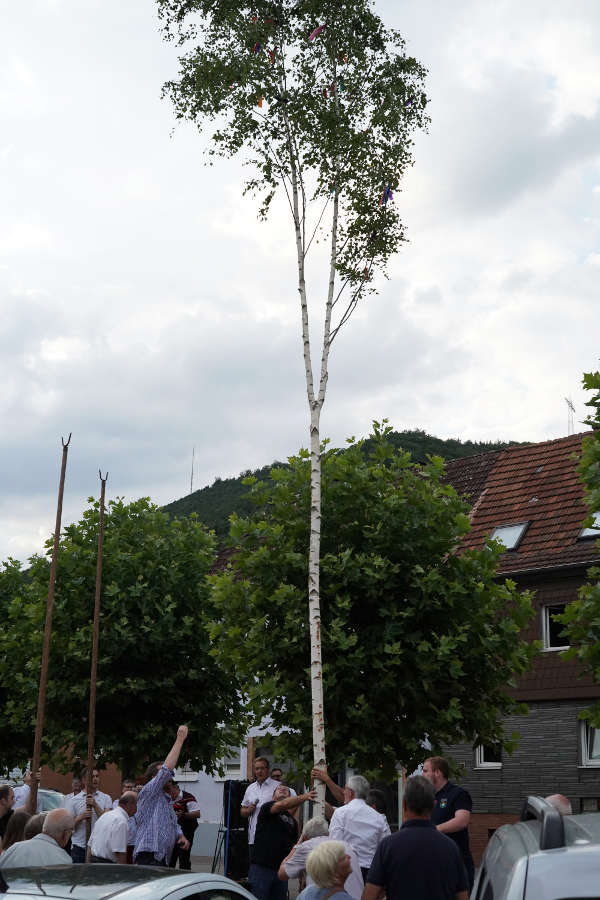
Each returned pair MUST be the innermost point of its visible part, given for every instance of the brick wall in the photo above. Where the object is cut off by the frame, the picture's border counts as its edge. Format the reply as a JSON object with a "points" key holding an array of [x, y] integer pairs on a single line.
{"points": [[547, 761], [481, 828]]}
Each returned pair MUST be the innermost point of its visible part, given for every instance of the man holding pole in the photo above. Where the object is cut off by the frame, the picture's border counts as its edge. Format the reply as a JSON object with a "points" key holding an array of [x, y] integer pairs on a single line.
{"points": [[84, 807]]}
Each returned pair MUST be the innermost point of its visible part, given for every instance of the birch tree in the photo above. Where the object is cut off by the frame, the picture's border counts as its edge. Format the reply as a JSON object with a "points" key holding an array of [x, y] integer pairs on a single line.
{"points": [[321, 99]]}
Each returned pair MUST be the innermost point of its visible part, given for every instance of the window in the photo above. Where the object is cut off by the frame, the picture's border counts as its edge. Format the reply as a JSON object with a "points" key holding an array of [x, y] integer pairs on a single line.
{"points": [[231, 764], [551, 629], [594, 530], [510, 535], [590, 745], [487, 757]]}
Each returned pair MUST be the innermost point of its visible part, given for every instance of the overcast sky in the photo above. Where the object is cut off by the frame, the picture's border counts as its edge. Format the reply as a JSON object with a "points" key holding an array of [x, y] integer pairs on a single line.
{"points": [[145, 309]]}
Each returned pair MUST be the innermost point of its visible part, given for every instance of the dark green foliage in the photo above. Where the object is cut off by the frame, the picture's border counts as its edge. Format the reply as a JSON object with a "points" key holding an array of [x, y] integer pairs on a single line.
{"points": [[582, 617], [416, 639], [215, 503], [154, 669]]}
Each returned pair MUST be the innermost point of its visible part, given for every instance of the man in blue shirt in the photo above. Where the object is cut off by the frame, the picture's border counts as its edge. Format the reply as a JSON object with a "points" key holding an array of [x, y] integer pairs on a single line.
{"points": [[417, 862], [157, 829]]}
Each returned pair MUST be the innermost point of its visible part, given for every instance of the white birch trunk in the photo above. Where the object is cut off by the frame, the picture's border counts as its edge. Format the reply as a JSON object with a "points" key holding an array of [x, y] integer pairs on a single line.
{"points": [[315, 405]]}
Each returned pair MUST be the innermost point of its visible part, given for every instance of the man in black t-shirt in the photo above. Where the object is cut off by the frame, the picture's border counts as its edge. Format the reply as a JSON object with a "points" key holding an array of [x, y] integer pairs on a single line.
{"points": [[276, 834], [417, 862], [452, 811]]}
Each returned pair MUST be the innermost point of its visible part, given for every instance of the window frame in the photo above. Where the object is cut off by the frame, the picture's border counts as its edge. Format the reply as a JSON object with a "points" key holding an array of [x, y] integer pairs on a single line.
{"points": [[481, 762], [524, 526], [586, 761], [545, 611], [234, 774], [591, 532]]}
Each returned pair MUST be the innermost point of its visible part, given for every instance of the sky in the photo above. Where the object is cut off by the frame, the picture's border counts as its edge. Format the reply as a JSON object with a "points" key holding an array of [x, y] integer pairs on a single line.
{"points": [[147, 311]]}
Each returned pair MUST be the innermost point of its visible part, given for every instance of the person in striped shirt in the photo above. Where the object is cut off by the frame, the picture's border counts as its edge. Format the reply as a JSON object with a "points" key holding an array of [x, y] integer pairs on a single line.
{"points": [[157, 829]]}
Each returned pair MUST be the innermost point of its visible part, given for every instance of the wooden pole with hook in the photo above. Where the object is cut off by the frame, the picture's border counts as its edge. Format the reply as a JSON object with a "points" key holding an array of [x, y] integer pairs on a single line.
{"points": [[39, 721], [95, 641]]}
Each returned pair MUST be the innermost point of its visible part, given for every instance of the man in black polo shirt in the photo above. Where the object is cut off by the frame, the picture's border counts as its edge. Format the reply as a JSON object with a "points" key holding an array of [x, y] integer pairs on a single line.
{"points": [[452, 810], [276, 834], [417, 862]]}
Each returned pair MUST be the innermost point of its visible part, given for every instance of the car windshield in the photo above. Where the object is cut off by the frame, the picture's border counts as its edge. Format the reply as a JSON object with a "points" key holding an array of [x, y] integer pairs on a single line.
{"points": [[91, 882]]}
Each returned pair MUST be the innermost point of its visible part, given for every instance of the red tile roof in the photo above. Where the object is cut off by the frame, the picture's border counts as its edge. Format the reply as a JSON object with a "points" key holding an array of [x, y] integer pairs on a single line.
{"points": [[535, 483]]}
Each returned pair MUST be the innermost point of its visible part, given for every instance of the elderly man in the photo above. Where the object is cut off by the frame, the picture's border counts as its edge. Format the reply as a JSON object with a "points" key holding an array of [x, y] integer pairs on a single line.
{"points": [[108, 843], [257, 793], [452, 811], [157, 829], [45, 849], [357, 823], [417, 862], [315, 832], [276, 832]]}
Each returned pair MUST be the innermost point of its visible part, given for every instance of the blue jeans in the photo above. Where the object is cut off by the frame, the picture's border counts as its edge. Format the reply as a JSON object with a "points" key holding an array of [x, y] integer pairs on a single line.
{"points": [[77, 854], [264, 883], [145, 858]]}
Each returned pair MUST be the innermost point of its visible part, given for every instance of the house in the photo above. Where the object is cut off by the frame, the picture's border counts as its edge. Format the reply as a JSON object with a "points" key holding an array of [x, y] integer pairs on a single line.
{"points": [[530, 498]]}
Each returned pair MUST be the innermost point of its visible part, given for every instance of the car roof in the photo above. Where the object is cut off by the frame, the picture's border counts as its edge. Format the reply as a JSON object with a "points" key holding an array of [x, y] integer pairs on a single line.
{"points": [[564, 872], [100, 882]]}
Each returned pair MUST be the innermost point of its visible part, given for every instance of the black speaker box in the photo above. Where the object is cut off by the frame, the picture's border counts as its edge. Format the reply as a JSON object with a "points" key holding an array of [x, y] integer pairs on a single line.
{"points": [[237, 854], [233, 794]]}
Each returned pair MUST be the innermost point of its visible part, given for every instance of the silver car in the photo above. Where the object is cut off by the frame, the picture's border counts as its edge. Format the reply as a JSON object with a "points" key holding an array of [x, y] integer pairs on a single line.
{"points": [[546, 856], [99, 881]]}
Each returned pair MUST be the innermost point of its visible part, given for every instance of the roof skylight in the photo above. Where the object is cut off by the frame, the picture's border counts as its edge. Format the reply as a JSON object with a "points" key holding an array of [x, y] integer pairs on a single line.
{"points": [[593, 531], [510, 535]]}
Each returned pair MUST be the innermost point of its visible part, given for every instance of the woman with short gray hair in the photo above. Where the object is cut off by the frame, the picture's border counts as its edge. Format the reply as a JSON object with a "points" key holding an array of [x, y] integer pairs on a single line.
{"points": [[329, 866]]}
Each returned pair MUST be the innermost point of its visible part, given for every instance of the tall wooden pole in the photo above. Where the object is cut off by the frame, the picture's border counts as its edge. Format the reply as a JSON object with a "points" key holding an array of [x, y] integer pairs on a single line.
{"points": [[95, 641], [39, 722]]}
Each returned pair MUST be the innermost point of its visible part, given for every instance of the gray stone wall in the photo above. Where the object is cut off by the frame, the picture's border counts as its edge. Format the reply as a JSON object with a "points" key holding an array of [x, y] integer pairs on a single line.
{"points": [[547, 761]]}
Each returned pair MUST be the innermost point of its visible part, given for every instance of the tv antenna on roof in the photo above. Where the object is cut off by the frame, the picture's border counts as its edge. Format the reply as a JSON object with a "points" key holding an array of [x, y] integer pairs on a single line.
{"points": [[570, 422]]}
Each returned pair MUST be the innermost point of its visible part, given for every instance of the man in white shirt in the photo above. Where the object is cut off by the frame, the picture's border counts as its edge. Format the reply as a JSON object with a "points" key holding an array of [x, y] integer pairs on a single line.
{"points": [[84, 807], [128, 784], [257, 793], [108, 843], [22, 792], [75, 789], [357, 823]]}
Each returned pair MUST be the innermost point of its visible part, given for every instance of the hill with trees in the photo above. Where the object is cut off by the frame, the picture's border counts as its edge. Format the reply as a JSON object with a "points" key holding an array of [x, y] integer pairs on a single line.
{"points": [[214, 503]]}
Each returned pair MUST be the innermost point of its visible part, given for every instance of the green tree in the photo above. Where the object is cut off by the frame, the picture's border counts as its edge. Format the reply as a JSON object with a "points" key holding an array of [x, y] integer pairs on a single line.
{"points": [[16, 742], [417, 639], [323, 99], [582, 617], [155, 668]]}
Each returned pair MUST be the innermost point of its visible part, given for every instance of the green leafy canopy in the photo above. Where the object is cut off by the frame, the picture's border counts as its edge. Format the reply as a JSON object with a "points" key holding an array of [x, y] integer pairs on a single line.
{"points": [[417, 639], [155, 669], [339, 109]]}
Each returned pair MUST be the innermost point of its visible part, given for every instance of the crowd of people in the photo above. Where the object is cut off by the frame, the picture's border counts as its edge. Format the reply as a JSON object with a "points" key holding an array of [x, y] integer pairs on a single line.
{"points": [[351, 853], [150, 825], [348, 855]]}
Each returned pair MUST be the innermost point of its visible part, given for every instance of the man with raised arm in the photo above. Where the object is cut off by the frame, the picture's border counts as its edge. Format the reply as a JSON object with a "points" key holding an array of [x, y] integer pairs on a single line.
{"points": [[276, 833], [157, 828]]}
